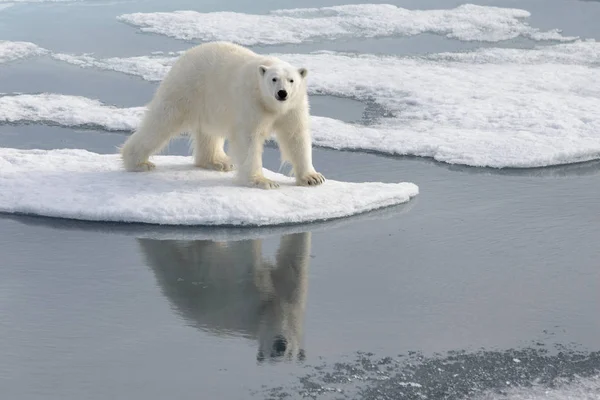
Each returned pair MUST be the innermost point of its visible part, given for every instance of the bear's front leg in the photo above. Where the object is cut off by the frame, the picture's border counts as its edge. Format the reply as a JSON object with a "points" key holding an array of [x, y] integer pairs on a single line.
{"points": [[247, 154], [295, 145]]}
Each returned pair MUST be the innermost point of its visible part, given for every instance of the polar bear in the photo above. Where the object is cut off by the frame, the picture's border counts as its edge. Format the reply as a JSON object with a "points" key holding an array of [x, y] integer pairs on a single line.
{"points": [[220, 91]]}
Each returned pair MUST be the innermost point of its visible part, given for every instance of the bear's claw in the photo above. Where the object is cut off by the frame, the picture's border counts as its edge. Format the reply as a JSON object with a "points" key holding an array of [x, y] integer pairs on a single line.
{"points": [[264, 183], [144, 166], [224, 165], [313, 179]]}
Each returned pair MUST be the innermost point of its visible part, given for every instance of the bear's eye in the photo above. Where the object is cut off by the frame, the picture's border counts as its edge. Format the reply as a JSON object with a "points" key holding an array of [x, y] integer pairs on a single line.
{"points": [[274, 79], [291, 81]]}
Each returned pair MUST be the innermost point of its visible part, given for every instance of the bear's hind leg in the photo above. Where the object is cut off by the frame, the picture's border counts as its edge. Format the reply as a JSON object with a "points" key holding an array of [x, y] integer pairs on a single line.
{"points": [[151, 136], [209, 152]]}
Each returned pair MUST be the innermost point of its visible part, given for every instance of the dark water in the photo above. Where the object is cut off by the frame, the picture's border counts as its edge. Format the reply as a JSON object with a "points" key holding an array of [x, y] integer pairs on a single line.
{"points": [[487, 281]]}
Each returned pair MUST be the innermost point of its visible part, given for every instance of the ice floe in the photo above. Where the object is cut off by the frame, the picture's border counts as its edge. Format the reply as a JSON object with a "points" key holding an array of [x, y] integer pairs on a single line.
{"points": [[466, 22], [216, 233], [150, 68], [77, 184], [11, 51], [73, 111]]}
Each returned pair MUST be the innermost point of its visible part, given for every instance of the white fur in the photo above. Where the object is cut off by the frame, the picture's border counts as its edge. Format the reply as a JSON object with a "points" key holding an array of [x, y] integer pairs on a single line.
{"points": [[220, 91], [231, 287]]}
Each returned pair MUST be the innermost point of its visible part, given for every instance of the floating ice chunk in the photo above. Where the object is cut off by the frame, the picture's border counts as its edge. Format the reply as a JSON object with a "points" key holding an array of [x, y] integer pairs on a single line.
{"points": [[150, 68], [505, 114], [584, 52], [67, 111], [223, 234], [411, 384], [476, 147], [10, 51], [467, 22], [77, 184]]}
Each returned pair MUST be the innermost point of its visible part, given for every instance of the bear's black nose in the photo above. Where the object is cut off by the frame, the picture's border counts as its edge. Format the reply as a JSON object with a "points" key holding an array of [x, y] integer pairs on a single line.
{"points": [[279, 346], [282, 94]]}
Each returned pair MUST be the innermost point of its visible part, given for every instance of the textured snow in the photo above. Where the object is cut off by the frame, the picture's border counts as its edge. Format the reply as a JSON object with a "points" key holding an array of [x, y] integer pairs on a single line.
{"points": [[514, 112], [10, 51], [67, 111], [150, 68], [78, 184], [216, 233], [490, 107], [466, 22]]}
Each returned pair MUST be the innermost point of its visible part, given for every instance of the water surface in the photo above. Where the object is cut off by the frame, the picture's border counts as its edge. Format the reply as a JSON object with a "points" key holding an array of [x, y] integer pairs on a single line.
{"points": [[500, 264]]}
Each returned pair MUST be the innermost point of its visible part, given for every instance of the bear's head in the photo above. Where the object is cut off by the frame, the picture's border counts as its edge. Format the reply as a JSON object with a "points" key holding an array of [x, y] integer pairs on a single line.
{"points": [[281, 84]]}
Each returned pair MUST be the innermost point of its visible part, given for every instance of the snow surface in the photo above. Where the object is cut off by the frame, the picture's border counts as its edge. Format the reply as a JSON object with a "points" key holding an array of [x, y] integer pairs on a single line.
{"points": [[466, 22], [490, 107], [78, 184], [150, 68], [67, 111], [10, 51], [215, 233]]}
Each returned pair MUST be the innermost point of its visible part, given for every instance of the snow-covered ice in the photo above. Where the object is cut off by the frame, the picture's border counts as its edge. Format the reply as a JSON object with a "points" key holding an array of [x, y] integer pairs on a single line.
{"points": [[215, 233], [490, 107], [11, 51], [466, 22], [150, 68], [78, 184], [67, 110]]}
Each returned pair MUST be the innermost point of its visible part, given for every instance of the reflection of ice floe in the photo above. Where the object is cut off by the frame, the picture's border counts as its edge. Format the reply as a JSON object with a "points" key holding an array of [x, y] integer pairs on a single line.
{"points": [[232, 289], [466, 22], [11, 51], [492, 107], [77, 184]]}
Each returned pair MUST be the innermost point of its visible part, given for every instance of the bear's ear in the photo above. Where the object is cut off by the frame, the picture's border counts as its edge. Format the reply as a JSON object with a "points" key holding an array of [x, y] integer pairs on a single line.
{"points": [[303, 72], [262, 69]]}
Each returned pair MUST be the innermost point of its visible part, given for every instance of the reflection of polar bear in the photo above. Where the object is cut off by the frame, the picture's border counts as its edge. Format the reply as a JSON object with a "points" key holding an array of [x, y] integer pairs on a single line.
{"points": [[230, 287], [223, 91]]}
